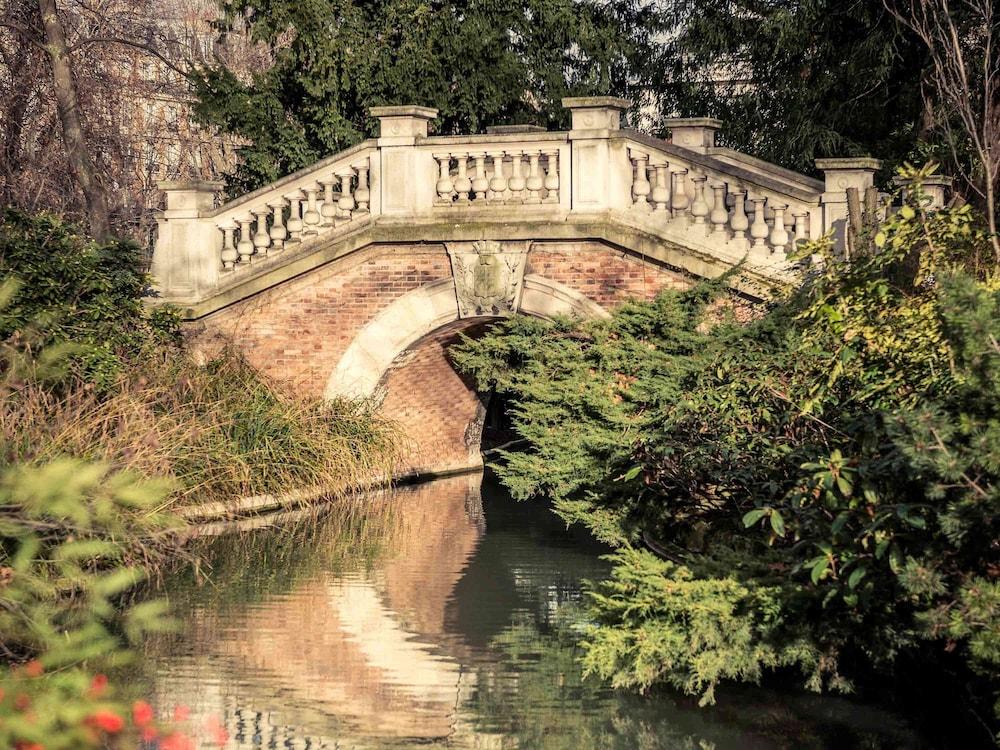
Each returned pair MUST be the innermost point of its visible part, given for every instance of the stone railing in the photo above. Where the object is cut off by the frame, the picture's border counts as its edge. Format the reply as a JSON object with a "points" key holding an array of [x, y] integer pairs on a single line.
{"points": [[686, 193]]}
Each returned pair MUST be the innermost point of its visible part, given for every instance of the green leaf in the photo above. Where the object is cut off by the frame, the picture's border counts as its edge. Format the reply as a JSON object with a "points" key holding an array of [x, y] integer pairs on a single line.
{"points": [[819, 569], [855, 578], [777, 523], [632, 473], [752, 517]]}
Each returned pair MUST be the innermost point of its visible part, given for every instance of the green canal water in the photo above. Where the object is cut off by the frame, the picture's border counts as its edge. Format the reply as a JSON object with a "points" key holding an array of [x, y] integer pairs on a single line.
{"points": [[438, 615]]}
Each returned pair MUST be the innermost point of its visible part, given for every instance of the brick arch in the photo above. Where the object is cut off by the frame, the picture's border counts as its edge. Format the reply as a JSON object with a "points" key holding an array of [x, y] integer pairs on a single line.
{"points": [[401, 356], [437, 409], [429, 308]]}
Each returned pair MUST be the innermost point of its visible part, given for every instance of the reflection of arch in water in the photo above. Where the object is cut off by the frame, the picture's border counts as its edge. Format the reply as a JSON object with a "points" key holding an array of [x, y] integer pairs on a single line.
{"points": [[359, 652]]}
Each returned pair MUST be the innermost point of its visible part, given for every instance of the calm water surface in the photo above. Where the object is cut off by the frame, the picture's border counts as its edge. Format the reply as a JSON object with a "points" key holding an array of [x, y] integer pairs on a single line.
{"points": [[437, 617]]}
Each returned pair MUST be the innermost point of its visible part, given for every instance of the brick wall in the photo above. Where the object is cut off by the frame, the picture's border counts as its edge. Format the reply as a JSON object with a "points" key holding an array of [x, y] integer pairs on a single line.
{"points": [[298, 331]]}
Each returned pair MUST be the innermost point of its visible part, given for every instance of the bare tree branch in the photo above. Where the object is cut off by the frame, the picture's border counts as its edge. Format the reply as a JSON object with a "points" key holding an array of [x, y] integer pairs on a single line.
{"points": [[965, 71]]}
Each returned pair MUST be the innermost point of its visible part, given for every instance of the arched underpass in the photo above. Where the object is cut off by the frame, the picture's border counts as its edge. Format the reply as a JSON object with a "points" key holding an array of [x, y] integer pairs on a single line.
{"points": [[438, 409]]}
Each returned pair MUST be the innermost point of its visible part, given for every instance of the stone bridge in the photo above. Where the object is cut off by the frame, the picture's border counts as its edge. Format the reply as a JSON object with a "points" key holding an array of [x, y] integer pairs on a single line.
{"points": [[351, 277]]}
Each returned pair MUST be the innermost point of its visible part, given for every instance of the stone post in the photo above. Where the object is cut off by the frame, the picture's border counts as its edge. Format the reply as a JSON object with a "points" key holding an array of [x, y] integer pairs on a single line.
{"points": [[187, 258], [935, 188], [601, 168], [694, 133], [841, 174], [408, 174]]}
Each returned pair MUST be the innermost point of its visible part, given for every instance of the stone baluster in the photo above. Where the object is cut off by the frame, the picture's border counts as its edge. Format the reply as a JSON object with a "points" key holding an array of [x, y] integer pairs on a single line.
{"points": [[660, 194], [551, 182], [779, 235], [679, 197], [699, 208], [261, 239], [801, 226], [640, 181], [346, 203], [789, 230], [534, 182], [278, 231], [739, 222], [329, 208], [363, 194], [229, 255], [758, 229], [719, 216], [311, 218], [294, 223], [516, 183], [463, 185], [245, 246], [479, 183], [498, 183], [444, 186]]}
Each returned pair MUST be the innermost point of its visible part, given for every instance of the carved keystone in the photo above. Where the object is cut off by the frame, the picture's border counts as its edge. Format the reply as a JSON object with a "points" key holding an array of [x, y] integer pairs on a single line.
{"points": [[488, 276]]}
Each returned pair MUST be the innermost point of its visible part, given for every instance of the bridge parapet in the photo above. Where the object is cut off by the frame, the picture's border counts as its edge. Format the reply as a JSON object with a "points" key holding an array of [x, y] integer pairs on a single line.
{"points": [[513, 182]]}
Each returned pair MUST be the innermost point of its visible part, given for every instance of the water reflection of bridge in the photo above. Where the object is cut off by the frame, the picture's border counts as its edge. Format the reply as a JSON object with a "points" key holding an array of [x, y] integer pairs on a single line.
{"points": [[370, 657]]}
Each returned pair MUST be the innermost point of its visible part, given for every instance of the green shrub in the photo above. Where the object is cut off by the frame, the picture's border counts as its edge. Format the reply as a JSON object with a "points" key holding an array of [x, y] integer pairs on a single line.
{"points": [[73, 289], [837, 457], [73, 538]]}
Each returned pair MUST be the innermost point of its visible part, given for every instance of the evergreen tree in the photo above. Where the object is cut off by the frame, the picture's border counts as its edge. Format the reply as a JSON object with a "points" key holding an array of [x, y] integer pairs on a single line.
{"points": [[479, 62], [798, 79]]}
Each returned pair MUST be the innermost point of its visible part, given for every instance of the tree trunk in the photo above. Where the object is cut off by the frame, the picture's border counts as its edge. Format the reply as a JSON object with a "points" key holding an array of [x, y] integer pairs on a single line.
{"points": [[68, 103]]}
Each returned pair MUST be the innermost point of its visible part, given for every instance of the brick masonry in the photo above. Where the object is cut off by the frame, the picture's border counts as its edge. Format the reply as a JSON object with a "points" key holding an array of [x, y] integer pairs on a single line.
{"points": [[297, 332]]}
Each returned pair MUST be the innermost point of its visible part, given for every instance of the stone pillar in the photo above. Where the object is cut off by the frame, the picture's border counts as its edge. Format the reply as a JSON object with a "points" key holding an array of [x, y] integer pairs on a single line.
{"points": [[935, 188], [408, 174], [187, 258], [841, 174], [694, 133], [601, 168]]}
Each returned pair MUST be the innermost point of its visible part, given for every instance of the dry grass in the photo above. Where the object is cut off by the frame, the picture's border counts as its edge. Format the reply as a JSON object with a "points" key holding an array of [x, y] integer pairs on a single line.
{"points": [[220, 430]]}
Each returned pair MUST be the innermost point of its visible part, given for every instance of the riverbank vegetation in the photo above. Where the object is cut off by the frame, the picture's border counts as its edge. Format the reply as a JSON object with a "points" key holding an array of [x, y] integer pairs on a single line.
{"points": [[128, 392], [108, 424], [819, 484]]}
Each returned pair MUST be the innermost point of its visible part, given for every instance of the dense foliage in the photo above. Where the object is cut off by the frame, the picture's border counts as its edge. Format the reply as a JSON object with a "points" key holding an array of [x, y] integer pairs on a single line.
{"points": [[66, 287], [794, 81], [70, 544], [479, 63], [822, 481]]}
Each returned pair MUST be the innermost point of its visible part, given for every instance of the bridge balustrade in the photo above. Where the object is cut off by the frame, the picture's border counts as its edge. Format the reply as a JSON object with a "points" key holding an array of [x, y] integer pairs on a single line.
{"points": [[521, 181]]}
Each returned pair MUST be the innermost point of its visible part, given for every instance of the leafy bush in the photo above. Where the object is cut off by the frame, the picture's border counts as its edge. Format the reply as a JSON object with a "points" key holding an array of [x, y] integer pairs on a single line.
{"points": [[836, 458], [70, 288], [89, 372], [71, 542]]}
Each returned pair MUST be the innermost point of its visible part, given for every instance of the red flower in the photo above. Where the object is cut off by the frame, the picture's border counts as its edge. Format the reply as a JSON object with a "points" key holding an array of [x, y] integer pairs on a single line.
{"points": [[22, 701], [181, 713], [22, 745], [98, 685], [149, 734], [176, 741], [142, 713], [34, 668], [109, 721], [216, 732]]}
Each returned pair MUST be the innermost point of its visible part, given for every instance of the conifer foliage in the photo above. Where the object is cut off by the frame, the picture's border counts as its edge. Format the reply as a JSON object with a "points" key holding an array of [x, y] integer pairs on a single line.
{"points": [[478, 62], [823, 481]]}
